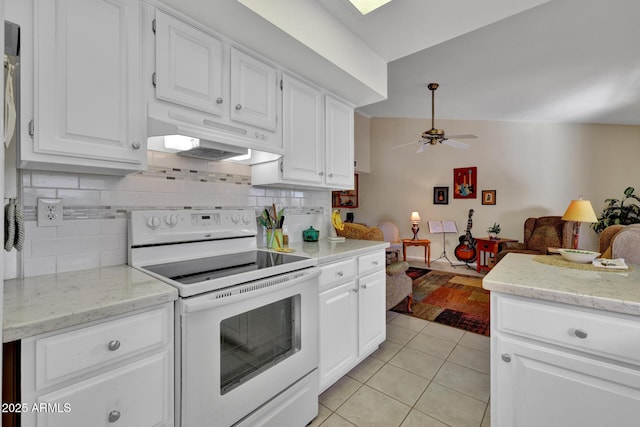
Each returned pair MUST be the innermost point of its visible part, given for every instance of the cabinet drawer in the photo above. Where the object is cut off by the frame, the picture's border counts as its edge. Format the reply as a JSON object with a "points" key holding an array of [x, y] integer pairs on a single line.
{"points": [[371, 262], [488, 246], [137, 394], [336, 272], [610, 335], [63, 356]]}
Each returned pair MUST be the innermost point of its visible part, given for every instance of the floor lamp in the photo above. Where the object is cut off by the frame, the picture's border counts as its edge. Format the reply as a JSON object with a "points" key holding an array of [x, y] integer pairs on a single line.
{"points": [[579, 211]]}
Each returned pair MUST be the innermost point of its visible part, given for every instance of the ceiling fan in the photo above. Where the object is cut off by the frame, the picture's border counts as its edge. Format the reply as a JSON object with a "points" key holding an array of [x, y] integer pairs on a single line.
{"points": [[434, 136]]}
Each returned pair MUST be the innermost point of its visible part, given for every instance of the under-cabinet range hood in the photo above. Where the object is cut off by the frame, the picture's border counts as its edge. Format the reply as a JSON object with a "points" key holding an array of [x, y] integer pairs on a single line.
{"points": [[173, 132]]}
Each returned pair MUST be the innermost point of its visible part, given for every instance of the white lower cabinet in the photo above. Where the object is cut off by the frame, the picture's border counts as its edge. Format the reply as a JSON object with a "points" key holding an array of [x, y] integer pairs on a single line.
{"points": [[352, 314], [547, 367], [115, 372]]}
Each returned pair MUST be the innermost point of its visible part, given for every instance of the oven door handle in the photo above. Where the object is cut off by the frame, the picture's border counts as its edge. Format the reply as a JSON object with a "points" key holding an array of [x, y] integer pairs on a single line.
{"points": [[247, 290]]}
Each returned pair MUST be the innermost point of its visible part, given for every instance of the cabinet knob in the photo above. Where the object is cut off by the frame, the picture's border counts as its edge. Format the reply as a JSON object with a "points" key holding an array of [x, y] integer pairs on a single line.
{"points": [[331, 175], [374, 262], [364, 286], [321, 173], [113, 345], [238, 107], [354, 290], [136, 145], [219, 100], [339, 273], [580, 333], [506, 357], [114, 416]]}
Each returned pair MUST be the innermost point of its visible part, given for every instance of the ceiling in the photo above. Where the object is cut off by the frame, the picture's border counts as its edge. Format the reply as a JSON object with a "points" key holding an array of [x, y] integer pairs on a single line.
{"points": [[570, 61], [574, 61]]}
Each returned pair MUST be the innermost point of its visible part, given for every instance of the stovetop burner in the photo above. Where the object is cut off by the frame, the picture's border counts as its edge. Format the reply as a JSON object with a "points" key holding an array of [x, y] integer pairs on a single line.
{"points": [[203, 269]]}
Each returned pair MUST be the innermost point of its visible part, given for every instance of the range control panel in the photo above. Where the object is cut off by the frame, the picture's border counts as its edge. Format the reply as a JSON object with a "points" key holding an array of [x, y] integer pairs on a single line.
{"points": [[166, 226]]}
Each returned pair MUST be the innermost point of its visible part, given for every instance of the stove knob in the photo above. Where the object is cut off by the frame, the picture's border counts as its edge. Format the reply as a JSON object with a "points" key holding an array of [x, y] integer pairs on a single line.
{"points": [[235, 218], [246, 219], [153, 222], [171, 220]]}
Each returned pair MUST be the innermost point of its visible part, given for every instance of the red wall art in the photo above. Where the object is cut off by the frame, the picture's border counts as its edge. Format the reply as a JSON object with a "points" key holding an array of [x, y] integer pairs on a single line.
{"points": [[465, 183]]}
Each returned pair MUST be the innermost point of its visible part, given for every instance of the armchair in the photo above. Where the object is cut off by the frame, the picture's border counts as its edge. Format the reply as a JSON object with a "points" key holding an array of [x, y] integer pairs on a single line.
{"points": [[621, 241], [391, 235], [398, 284], [539, 235]]}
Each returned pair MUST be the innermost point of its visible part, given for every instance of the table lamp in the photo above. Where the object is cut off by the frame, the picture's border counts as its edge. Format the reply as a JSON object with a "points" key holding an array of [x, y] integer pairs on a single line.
{"points": [[579, 211], [415, 220]]}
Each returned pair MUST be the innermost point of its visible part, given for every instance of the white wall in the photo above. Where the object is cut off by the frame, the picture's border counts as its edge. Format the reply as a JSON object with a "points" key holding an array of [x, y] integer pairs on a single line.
{"points": [[536, 169]]}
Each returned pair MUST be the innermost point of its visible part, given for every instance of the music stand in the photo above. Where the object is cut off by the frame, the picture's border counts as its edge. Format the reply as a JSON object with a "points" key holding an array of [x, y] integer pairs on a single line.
{"points": [[436, 227]]}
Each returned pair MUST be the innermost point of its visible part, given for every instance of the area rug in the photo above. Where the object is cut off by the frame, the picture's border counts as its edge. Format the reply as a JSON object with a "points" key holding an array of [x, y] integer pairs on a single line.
{"points": [[451, 299]]}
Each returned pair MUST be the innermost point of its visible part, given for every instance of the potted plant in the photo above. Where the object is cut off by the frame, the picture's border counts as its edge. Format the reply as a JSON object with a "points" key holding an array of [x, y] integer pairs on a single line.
{"points": [[617, 212], [494, 230]]}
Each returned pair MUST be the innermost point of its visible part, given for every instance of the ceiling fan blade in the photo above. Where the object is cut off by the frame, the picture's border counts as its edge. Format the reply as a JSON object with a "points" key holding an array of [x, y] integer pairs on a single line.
{"points": [[456, 144], [404, 145], [423, 147], [467, 136]]}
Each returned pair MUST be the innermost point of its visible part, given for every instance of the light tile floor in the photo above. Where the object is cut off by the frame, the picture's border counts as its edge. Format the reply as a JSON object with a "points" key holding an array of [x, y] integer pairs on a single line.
{"points": [[425, 374]]}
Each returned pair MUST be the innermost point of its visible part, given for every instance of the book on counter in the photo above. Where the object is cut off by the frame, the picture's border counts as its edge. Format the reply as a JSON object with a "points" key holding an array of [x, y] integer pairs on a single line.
{"points": [[615, 264]]}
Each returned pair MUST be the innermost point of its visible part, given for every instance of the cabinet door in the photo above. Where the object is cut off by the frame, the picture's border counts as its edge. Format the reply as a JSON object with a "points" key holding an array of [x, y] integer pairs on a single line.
{"points": [[372, 313], [534, 385], [87, 81], [339, 143], [338, 332], [253, 91], [138, 394], [189, 66], [302, 132]]}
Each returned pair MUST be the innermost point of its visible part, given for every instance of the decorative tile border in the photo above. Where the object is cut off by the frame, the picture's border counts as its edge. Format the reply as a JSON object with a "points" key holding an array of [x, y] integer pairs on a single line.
{"points": [[120, 212], [195, 175]]}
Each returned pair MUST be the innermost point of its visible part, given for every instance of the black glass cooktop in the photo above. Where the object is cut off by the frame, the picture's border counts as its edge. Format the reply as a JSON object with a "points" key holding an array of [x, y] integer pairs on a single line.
{"points": [[203, 269]]}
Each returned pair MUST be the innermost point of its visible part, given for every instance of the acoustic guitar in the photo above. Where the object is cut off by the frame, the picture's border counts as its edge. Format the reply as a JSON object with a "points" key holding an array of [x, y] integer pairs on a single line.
{"points": [[466, 250]]}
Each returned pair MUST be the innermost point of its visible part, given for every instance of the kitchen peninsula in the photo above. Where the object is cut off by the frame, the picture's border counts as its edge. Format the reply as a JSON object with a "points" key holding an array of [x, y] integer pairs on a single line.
{"points": [[565, 344]]}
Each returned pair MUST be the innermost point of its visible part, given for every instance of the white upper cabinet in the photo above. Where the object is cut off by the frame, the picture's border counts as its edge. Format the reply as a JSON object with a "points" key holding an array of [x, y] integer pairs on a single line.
{"points": [[201, 85], [302, 132], [189, 66], [253, 91], [317, 134], [338, 143], [87, 94]]}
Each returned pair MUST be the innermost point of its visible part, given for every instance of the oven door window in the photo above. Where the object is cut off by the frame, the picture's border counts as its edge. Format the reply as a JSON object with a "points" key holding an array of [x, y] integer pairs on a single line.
{"points": [[252, 342]]}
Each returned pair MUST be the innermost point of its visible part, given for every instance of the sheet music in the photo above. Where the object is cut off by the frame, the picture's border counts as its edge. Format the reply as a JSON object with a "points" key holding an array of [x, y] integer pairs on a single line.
{"points": [[442, 227]]}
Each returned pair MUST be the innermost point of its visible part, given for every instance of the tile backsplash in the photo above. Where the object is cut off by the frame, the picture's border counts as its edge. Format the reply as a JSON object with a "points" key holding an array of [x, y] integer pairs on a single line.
{"points": [[95, 210]]}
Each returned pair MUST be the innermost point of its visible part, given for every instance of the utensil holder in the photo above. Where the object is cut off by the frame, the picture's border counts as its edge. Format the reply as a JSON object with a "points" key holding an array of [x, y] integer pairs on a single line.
{"points": [[274, 238]]}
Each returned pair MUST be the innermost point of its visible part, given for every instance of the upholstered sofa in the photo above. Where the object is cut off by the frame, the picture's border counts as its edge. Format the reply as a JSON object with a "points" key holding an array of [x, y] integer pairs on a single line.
{"points": [[621, 241], [399, 285]]}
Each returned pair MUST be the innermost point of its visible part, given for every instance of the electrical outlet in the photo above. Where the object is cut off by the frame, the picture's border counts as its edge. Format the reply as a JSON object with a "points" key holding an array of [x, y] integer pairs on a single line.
{"points": [[49, 212]]}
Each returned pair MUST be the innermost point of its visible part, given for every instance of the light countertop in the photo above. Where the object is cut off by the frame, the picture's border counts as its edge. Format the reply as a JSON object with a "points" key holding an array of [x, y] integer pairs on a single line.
{"points": [[615, 291], [326, 251], [39, 304]]}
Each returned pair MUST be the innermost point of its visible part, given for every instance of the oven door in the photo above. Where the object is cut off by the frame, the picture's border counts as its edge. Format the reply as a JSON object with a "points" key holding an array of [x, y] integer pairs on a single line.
{"points": [[242, 346]]}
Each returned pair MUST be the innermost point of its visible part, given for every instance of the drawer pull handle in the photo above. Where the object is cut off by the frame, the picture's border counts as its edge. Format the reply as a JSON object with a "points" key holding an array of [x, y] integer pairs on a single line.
{"points": [[113, 345], [339, 273], [114, 416], [580, 333], [506, 357]]}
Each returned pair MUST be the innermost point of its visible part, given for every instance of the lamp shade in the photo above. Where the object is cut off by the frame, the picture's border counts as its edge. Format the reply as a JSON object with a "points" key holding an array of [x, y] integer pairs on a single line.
{"points": [[415, 217], [580, 211]]}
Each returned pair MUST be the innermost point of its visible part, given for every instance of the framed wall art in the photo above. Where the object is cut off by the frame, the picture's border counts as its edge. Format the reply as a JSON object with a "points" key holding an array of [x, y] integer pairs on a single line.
{"points": [[440, 195], [488, 197], [465, 182]]}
